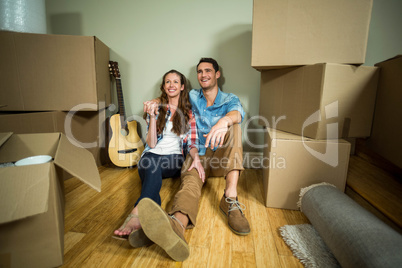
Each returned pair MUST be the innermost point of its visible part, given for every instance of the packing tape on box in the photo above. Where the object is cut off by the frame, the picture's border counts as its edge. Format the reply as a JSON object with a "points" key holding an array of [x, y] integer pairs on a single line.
{"points": [[23, 16], [355, 237]]}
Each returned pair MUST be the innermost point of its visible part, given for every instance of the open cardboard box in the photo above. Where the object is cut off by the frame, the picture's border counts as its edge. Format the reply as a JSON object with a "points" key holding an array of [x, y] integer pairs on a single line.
{"points": [[83, 128], [320, 101], [32, 197], [292, 162], [301, 32]]}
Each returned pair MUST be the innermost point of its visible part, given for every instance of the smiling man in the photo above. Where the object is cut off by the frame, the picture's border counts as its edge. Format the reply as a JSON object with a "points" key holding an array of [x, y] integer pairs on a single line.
{"points": [[218, 116]]}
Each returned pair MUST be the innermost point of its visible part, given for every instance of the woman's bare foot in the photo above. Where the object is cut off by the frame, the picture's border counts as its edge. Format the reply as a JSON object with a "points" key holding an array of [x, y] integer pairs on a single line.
{"points": [[131, 223]]}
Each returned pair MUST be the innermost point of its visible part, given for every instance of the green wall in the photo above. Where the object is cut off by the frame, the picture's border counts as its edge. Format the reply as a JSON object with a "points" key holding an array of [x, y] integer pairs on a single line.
{"points": [[148, 38], [385, 36]]}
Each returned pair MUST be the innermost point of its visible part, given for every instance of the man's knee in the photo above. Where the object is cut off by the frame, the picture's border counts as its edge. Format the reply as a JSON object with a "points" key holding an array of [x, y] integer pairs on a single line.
{"points": [[233, 136], [237, 135]]}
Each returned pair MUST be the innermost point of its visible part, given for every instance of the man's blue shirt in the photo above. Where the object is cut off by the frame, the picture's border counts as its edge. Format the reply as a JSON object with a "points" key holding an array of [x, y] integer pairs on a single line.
{"points": [[207, 117]]}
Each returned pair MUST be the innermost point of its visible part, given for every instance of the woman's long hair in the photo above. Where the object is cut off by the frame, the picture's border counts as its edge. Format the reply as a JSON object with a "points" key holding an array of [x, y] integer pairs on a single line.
{"points": [[182, 114]]}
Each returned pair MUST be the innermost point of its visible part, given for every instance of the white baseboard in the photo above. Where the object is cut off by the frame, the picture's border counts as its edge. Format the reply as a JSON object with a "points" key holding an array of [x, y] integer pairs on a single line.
{"points": [[252, 160]]}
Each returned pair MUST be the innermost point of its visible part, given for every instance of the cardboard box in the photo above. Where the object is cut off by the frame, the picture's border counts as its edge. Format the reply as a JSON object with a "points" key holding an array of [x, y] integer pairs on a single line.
{"points": [[387, 128], [302, 32], [321, 101], [41, 72], [87, 129], [292, 162], [32, 199]]}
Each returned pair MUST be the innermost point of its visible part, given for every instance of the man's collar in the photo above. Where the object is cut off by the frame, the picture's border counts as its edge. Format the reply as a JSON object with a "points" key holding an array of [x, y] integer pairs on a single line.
{"points": [[218, 96], [201, 94]]}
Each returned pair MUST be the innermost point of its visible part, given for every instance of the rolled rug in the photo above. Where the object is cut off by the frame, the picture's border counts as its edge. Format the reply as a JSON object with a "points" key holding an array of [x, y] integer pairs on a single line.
{"points": [[355, 236]]}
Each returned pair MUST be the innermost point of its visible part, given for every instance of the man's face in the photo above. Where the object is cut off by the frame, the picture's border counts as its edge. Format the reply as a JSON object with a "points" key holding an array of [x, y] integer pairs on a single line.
{"points": [[207, 77]]}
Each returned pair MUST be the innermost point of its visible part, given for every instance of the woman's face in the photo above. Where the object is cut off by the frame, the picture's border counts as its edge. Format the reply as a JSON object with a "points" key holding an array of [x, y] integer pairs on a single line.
{"points": [[172, 85]]}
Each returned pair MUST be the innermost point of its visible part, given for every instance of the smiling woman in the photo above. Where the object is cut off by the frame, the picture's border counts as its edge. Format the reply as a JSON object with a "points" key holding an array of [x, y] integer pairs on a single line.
{"points": [[174, 97], [171, 135]]}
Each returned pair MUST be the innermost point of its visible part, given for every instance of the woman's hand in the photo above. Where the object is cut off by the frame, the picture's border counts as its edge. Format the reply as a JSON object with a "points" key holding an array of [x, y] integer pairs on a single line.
{"points": [[151, 108], [198, 166]]}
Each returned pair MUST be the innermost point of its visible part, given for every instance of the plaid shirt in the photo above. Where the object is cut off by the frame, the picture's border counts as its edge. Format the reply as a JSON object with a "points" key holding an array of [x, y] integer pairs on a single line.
{"points": [[188, 140]]}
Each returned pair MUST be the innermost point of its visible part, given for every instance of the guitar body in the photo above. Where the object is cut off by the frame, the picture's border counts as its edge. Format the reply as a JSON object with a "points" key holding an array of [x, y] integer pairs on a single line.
{"points": [[125, 147]]}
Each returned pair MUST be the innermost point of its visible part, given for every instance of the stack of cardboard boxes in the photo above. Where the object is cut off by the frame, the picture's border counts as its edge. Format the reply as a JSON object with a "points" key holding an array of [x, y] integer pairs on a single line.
{"points": [[313, 91], [55, 83], [53, 94]]}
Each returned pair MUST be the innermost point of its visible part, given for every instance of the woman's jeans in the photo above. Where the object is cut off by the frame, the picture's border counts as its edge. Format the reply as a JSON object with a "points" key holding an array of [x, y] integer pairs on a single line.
{"points": [[153, 168]]}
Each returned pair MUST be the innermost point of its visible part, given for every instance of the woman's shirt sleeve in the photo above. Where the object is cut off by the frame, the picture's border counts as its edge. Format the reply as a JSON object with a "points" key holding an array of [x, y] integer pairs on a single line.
{"points": [[192, 134]]}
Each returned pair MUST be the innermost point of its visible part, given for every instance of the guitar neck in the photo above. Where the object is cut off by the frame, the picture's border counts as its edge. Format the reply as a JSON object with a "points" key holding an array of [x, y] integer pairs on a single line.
{"points": [[120, 101]]}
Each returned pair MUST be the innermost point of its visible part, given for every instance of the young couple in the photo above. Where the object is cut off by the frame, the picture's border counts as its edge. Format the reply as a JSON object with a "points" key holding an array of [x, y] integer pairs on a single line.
{"points": [[192, 135]]}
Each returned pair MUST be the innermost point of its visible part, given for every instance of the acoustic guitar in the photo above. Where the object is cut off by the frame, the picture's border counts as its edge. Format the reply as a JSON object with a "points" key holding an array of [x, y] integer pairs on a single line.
{"points": [[125, 146]]}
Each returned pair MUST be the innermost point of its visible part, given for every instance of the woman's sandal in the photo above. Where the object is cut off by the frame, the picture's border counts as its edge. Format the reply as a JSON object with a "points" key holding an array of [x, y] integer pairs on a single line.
{"points": [[125, 237], [137, 238]]}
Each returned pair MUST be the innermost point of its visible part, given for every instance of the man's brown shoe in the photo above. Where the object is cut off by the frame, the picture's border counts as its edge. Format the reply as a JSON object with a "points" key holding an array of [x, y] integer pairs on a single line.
{"points": [[165, 230], [237, 221], [138, 239]]}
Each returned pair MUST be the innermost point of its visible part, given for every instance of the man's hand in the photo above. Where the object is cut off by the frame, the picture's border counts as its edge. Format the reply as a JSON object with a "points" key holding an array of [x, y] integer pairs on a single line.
{"points": [[217, 134]]}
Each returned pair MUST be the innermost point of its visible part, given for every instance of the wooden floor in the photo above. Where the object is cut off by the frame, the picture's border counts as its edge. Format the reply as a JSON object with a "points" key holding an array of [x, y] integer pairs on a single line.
{"points": [[91, 217]]}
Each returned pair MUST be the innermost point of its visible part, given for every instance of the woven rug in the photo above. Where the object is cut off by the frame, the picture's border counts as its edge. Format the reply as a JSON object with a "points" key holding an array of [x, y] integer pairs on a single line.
{"points": [[306, 245]]}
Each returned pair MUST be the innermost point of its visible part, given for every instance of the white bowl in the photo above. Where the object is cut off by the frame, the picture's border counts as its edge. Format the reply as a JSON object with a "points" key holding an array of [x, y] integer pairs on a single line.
{"points": [[34, 160]]}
